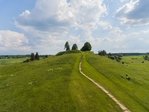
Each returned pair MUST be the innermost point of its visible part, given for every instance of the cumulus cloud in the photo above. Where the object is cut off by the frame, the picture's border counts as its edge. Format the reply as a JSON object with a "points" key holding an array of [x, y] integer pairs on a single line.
{"points": [[134, 12], [48, 14], [11, 41], [124, 42], [50, 23]]}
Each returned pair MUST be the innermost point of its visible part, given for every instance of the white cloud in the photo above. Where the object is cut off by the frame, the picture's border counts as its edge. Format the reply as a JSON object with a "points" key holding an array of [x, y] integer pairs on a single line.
{"points": [[26, 13], [68, 19], [123, 42], [134, 12], [62, 13], [53, 22], [88, 12], [50, 23], [11, 41]]}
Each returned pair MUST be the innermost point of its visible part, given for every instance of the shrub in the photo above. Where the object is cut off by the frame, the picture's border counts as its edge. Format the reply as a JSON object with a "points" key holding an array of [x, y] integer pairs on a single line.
{"points": [[102, 53], [118, 58], [26, 61]]}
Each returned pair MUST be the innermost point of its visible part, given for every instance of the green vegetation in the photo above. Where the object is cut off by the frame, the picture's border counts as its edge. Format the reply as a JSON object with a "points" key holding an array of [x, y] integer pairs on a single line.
{"points": [[102, 53], [74, 47], [87, 47], [67, 46], [53, 84], [146, 57], [128, 82], [11, 61], [68, 52]]}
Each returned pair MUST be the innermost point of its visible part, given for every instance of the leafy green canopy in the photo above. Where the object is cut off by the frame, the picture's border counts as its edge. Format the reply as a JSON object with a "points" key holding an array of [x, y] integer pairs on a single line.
{"points": [[87, 47]]}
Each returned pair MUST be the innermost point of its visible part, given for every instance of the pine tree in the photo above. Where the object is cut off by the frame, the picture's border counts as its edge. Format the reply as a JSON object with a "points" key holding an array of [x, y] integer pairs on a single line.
{"points": [[67, 47], [32, 57], [36, 56]]}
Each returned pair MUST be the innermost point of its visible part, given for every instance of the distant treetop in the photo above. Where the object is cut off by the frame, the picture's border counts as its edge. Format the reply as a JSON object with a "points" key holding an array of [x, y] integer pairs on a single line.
{"points": [[67, 47], [74, 47], [87, 47]]}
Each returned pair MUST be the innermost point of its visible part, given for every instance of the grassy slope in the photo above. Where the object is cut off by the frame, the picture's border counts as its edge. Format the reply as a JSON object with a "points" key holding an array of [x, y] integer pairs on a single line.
{"points": [[50, 85], [11, 61], [133, 93]]}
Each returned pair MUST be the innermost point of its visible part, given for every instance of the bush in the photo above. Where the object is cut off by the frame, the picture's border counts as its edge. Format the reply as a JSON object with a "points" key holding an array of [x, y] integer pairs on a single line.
{"points": [[111, 57], [118, 58], [146, 58], [102, 53], [128, 78], [26, 61]]}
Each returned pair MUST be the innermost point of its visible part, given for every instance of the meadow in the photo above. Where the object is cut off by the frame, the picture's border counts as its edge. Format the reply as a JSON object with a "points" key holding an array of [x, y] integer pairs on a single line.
{"points": [[11, 61], [132, 91], [53, 84]]}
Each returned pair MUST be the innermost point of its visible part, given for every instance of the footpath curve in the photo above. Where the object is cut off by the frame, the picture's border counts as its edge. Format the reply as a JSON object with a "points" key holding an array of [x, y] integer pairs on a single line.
{"points": [[123, 107]]}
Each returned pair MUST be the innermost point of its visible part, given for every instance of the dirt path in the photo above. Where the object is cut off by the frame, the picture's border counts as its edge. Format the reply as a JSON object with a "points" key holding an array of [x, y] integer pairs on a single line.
{"points": [[123, 107]]}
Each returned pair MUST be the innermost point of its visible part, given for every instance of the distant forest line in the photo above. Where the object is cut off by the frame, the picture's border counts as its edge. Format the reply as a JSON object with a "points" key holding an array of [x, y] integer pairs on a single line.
{"points": [[18, 56], [28, 55]]}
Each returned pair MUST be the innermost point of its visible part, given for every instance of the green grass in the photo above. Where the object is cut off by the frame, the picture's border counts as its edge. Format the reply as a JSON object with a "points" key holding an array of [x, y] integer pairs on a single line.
{"points": [[11, 61], [50, 85], [112, 75], [68, 52]]}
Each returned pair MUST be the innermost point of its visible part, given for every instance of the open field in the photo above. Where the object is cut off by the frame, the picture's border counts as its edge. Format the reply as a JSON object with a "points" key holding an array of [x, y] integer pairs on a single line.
{"points": [[113, 75], [54, 84], [50, 85], [11, 61]]}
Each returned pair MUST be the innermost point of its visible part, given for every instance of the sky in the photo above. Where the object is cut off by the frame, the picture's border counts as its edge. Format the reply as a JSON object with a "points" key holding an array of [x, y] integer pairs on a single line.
{"points": [[45, 25]]}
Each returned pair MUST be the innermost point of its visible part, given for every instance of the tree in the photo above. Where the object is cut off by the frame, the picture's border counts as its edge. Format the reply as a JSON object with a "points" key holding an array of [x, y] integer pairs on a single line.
{"points": [[67, 47], [36, 56], [87, 47], [32, 57], [146, 57], [102, 53], [74, 47]]}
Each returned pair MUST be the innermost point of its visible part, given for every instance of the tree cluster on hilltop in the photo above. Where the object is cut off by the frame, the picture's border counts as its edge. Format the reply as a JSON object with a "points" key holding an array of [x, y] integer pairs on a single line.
{"points": [[86, 47], [33, 57]]}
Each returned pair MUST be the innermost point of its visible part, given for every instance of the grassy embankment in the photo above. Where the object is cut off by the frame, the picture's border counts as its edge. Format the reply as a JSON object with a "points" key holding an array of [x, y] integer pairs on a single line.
{"points": [[50, 85], [133, 93]]}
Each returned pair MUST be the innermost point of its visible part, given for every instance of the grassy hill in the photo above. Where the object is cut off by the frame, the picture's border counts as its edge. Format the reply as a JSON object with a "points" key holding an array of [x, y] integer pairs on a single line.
{"points": [[50, 85], [54, 84], [134, 93]]}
